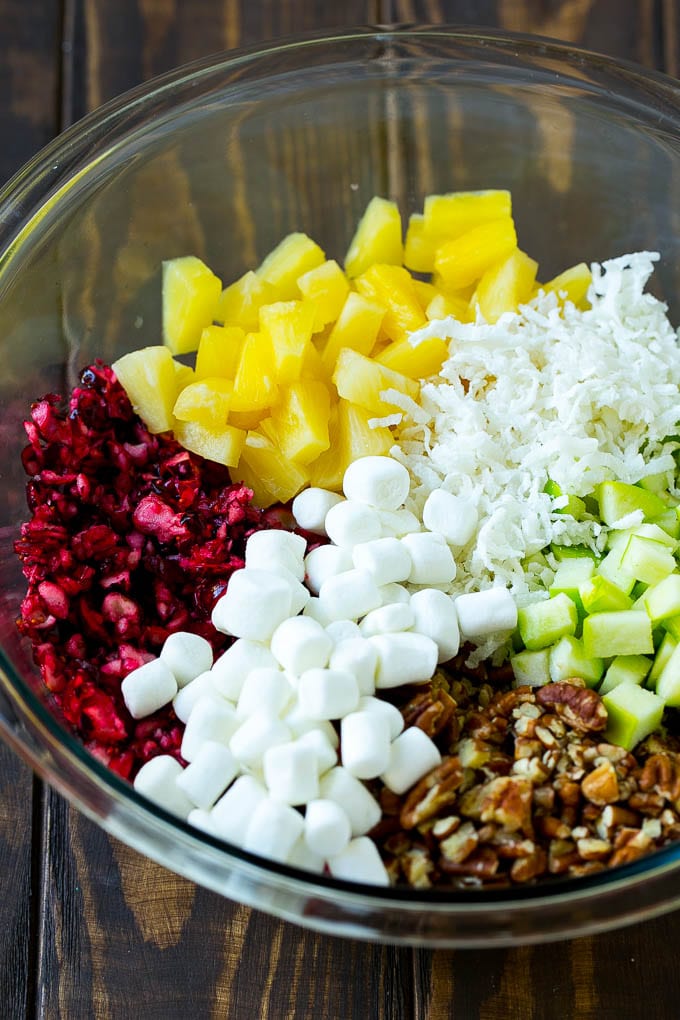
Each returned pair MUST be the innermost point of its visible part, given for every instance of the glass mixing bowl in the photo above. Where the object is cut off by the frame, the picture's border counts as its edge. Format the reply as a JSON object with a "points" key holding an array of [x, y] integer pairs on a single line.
{"points": [[221, 159]]}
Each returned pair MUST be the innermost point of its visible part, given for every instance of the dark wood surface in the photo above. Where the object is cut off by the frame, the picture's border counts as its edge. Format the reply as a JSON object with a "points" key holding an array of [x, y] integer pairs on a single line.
{"points": [[88, 928]]}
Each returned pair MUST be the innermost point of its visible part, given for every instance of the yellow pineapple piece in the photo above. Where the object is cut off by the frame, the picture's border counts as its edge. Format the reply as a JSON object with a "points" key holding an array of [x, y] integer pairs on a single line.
{"points": [[365, 382], [327, 287], [357, 327], [392, 287], [377, 238], [206, 401], [419, 246], [506, 286], [184, 374], [265, 470], [239, 303], [151, 382], [573, 283], [465, 260], [300, 420], [419, 362], [424, 292], [191, 292], [222, 443], [313, 366], [295, 255], [351, 437], [288, 325], [443, 305], [451, 215], [255, 382], [219, 350], [247, 419]]}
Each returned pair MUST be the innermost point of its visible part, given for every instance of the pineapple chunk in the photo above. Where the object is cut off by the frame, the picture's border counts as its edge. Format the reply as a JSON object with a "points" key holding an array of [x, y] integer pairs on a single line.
{"points": [[313, 366], [443, 305], [288, 325], [351, 437], [506, 286], [449, 216], [425, 292], [151, 382], [392, 287], [356, 327], [266, 471], [206, 401], [191, 292], [222, 444], [184, 374], [219, 351], [377, 238], [466, 259], [295, 255], [419, 246], [573, 283], [247, 420], [365, 382], [327, 287], [240, 302], [418, 362], [300, 420], [255, 385]]}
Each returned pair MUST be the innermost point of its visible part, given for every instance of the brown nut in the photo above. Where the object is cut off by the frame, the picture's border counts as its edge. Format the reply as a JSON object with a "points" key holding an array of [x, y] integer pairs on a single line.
{"points": [[578, 707], [435, 791], [601, 786]]}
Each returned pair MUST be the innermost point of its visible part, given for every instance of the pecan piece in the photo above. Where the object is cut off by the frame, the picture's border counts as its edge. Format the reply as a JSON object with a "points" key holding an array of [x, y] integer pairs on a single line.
{"points": [[459, 845], [661, 774], [506, 800], [417, 866], [431, 712], [579, 707], [437, 790], [482, 864], [601, 786], [524, 869]]}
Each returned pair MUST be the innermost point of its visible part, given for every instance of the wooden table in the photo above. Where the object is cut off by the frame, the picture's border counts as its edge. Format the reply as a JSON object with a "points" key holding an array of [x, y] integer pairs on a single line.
{"points": [[88, 928]]}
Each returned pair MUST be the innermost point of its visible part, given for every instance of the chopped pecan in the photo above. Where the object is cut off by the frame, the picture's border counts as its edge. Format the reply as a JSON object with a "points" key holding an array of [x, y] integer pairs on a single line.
{"points": [[552, 828], [650, 804], [506, 800], [579, 707], [562, 855], [444, 827], [525, 869], [432, 712], [473, 754], [592, 849], [456, 847], [630, 844], [417, 866], [661, 773], [601, 786], [483, 864], [435, 791]]}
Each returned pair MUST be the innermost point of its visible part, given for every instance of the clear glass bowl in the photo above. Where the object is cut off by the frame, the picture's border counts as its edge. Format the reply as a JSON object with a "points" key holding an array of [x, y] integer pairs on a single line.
{"points": [[221, 159]]}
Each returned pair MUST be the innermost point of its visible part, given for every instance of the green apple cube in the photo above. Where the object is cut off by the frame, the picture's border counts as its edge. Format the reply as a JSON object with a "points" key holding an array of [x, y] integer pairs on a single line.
{"points": [[625, 669], [573, 572], [543, 623], [570, 552], [632, 714], [568, 659], [668, 684], [599, 595], [620, 539], [610, 567], [672, 626], [669, 522], [531, 668], [618, 499], [663, 654], [662, 600], [647, 560], [624, 633], [655, 483]]}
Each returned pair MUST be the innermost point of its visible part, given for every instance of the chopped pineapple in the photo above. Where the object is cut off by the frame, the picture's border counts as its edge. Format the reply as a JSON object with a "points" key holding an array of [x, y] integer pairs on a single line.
{"points": [[222, 443], [265, 470], [240, 302], [248, 419], [357, 327], [506, 286], [466, 259], [255, 385], [219, 351], [288, 325], [206, 401], [313, 366], [418, 362], [377, 238], [295, 255], [351, 437], [573, 283], [419, 246], [300, 420], [191, 292], [449, 216], [151, 382], [365, 382], [443, 305], [184, 374], [327, 287], [425, 292], [392, 287]]}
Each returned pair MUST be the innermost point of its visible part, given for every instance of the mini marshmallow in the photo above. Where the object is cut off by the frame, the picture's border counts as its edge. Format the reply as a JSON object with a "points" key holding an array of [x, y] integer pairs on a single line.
{"points": [[481, 613], [451, 516], [300, 643], [327, 693], [385, 709], [234, 809], [391, 593], [323, 562], [396, 523], [365, 744], [386, 559], [342, 630], [202, 820], [388, 619], [359, 657], [406, 658], [185, 699], [210, 719], [360, 861], [299, 593], [257, 734], [349, 596], [157, 780], [273, 830], [209, 774], [349, 523], [327, 828], [148, 688], [359, 805], [435, 616], [273, 548], [291, 772], [412, 755], [186, 655], [317, 740], [254, 604], [234, 665], [264, 690], [379, 481], [432, 560], [299, 723], [311, 506], [315, 610], [302, 857]]}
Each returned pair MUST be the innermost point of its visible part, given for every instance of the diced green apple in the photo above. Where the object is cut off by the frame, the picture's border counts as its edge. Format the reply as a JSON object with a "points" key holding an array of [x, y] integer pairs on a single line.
{"points": [[663, 654], [617, 633], [599, 595], [618, 499], [568, 659], [647, 560], [662, 600], [531, 668], [669, 522], [610, 567], [568, 552], [668, 684], [543, 623], [633, 713], [625, 669]]}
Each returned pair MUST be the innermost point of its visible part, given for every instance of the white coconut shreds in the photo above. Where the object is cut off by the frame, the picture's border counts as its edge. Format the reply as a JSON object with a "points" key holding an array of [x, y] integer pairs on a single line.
{"points": [[551, 393]]}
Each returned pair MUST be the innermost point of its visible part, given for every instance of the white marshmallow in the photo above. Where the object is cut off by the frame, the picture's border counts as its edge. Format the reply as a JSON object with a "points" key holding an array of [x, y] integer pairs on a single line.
{"points": [[327, 693], [273, 830], [406, 658], [299, 723], [264, 690], [317, 740], [342, 630], [396, 523], [327, 828], [185, 699], [412, 756], [391, 593], [435, 616], [299, 593], [202, 820], [273, 548], [316, 611], [209, 774], [379, 481], [148, 688], [323, 562], [359, 805], [234, 809], [254, 736], [385, 709], [481, 613], [234, 665], [350, 522], [386, 559], [451, 516], [187, 655], [301, 643], [157, 780], [365, 744], [349, 596], [302, 857], [388, 619], [358, 657], [360, 861], [311, 506], [254, 604], [210, 719], [291, 772], [432, 560]]}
